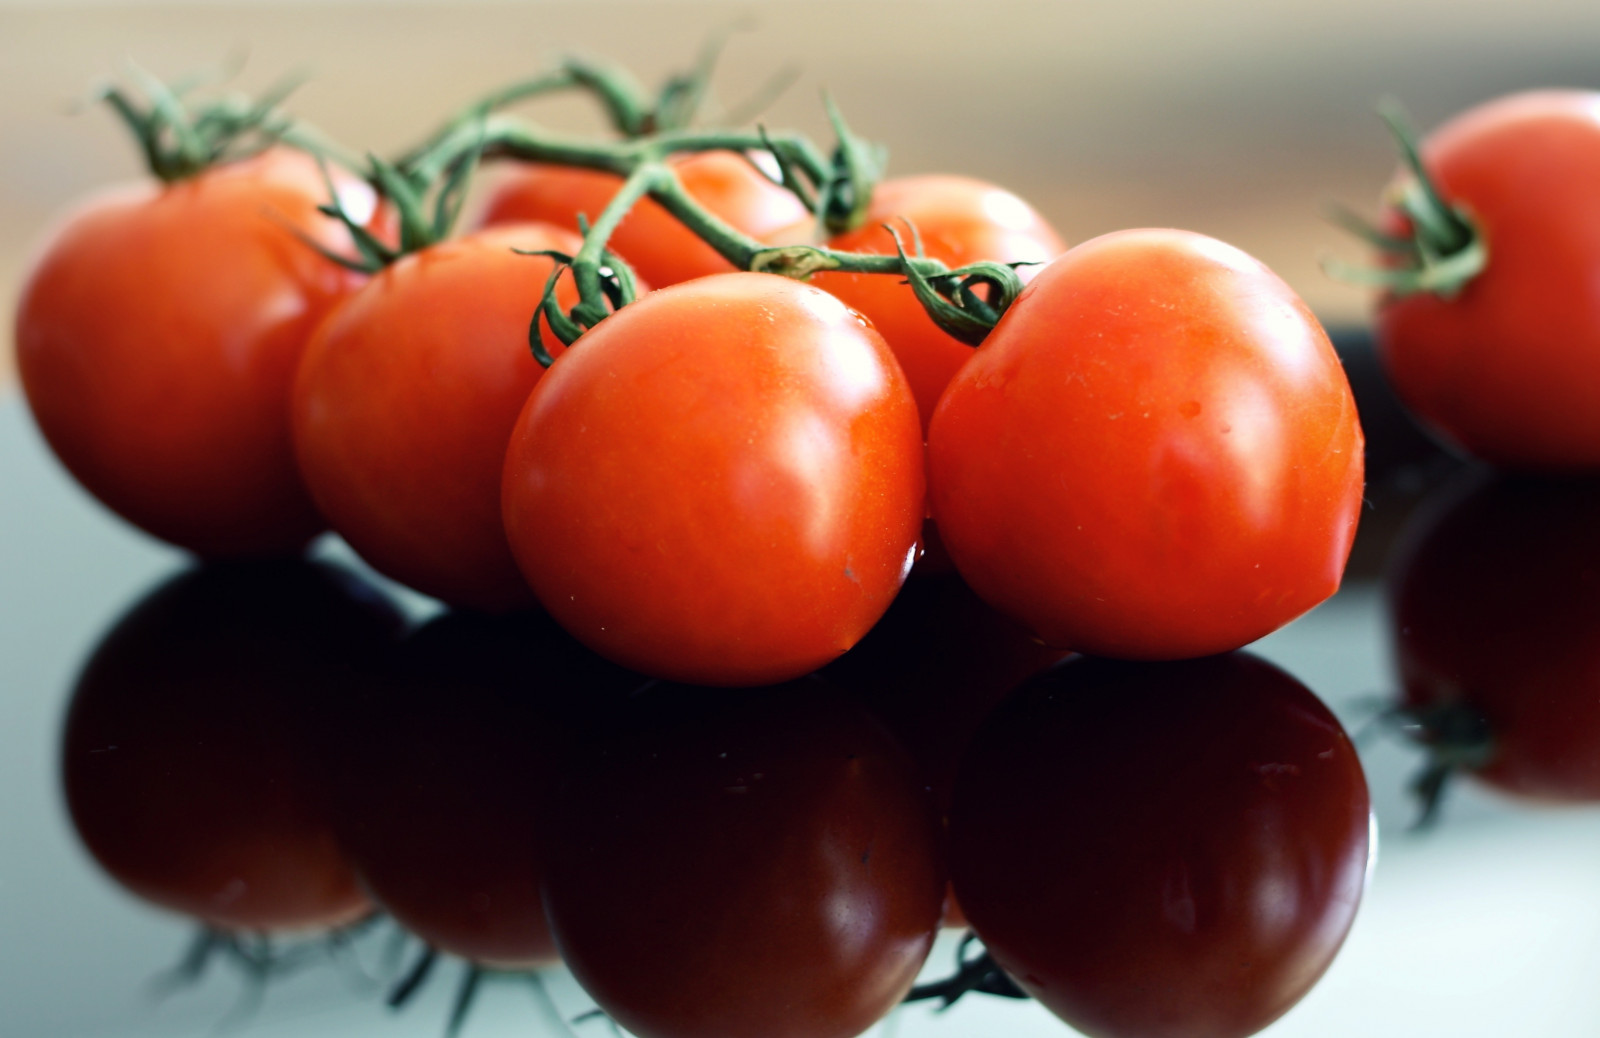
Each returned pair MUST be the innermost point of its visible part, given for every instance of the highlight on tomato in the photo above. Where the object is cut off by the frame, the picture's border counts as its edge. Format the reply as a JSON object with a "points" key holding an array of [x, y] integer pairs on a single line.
{"points": [[1154, 454], [190, 758], [1488, 326], [1162, 850], [405, 399], [764, 865], [160, 325], [1495, 622], [720, 483]]}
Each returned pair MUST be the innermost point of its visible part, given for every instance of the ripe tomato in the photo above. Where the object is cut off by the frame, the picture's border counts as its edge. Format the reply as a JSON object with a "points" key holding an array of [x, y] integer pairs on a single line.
{"points": [[1495, 603], [959, 221], [157, 336], [1154, 455], [1509, 369], [721, 483], [793, 875], [189, 762], [404, 402], [659, 248], [1156, 850]]}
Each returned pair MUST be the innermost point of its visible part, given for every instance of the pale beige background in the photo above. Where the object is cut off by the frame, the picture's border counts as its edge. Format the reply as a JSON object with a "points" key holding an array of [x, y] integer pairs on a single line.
{"points": [[1236, 118]]}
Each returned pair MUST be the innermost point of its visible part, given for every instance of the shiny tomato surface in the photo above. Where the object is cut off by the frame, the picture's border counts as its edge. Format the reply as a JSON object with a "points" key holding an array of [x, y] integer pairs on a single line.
{"points": [[769, 871], [190, 759], [721, 483], [659, 248], [405, 400], [958, 220], [1508, 369], [1170, 850], [157, 336], [1495, 621], [1154, 455]]}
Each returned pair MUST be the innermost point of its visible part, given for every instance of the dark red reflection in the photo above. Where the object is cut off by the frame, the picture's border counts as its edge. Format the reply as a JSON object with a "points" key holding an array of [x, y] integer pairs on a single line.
{"points": [[933, 668], [449, 773], [769, 869], [187, 762], [1495, 610], [1170, 849]]}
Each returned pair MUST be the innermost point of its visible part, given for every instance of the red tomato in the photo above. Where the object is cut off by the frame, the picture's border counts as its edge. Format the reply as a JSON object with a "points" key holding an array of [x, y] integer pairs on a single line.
{"points": [[1495, 600], [1154, 455], [1168, 850], [1509, 369], [960, 221], [404, 402], [448, 771], [157, 337], [770, 871], [721, 483], [659, 248], [189, 759]]}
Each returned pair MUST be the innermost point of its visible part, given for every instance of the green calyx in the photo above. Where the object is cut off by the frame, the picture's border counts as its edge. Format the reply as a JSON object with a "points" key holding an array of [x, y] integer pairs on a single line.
{"points": [[1444, 248], [1457, 737], [180, 138]]}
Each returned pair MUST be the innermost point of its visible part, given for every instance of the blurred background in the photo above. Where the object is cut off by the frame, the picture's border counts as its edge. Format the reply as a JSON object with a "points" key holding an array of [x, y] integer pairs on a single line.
{"points": [[1238, 119]]}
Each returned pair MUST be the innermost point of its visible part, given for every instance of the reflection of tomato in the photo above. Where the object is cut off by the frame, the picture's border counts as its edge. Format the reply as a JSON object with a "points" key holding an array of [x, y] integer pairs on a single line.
{"points": [[447, 773], [157, 337], [720, 483], [771, 871], [1155, 454], [659, 248], [933, 668], [186, 759], [959, 221], [1509, 367], [1157, 850], [1496, 619], [404, 403]]}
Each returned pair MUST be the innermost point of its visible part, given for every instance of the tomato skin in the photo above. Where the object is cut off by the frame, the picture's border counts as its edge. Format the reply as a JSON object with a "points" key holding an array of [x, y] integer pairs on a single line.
{"points": [[1154, 455], [190, 763], [1155, 850], [660, 249], [1507, 370], [404, 402], [722, 483], [792, 858], [1494, 603], [157, 336], [959, 220]]}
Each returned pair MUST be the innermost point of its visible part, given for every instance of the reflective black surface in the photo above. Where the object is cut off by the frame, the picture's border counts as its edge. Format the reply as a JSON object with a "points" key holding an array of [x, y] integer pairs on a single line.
{"points": [[1487, 923]]}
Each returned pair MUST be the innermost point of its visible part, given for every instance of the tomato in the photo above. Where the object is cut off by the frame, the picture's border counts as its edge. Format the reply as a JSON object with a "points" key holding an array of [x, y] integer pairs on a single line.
{"points": [[189, 763], [1509, 368], [1171, 849], [769, 871], [1495, 620], [721, 483], [447, 774], [1154, 455], [959, 221], [405, 399], [157, 336], [660, 249]]}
